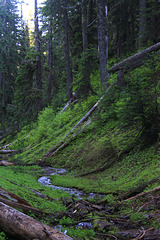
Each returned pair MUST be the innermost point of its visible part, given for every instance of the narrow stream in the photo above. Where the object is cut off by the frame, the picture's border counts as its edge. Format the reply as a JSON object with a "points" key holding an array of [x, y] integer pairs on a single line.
{"points": [[45, 180]]}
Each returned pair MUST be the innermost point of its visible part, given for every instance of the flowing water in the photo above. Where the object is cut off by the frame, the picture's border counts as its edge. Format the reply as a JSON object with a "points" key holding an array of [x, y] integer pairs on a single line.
{"points": [[46, 181]]}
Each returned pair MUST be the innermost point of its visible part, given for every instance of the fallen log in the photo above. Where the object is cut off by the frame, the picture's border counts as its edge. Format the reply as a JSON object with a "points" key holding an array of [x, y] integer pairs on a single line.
{"points": [[65, 144], [8, 151], [6, 163], [21, 226], [61, 142], [11, 196], [135, 60], [144, 193], [23, 201], [23, 207], [136, 190], [67, 104]]}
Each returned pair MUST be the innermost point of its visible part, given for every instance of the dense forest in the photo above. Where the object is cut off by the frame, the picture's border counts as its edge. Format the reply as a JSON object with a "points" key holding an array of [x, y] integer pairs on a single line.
{"points": [[80, 94], [73, 42]]}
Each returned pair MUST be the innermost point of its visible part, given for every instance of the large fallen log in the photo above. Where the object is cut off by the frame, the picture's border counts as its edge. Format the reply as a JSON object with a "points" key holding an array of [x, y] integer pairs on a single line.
{"points": [[135, 60], [21, 226], [61, 142]]}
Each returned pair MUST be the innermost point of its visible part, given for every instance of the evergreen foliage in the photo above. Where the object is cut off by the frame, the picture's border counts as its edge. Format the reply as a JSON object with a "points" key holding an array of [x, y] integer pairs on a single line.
{"points": [[19, 92]]}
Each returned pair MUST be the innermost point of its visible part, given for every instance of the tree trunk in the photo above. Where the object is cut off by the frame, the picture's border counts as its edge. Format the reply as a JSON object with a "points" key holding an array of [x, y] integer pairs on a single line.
{"points": [[50, 63], [142, 22], [3, 101], [66, 50], [21, 226], [102, 40], [84, 26], [38, 62]]}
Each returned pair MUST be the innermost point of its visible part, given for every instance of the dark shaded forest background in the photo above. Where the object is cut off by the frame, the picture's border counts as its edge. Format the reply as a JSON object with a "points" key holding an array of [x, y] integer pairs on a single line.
{"points": [[69, 52]]}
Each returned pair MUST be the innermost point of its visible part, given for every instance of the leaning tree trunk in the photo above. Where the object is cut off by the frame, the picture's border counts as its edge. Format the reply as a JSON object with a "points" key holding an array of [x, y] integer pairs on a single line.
{"points": [[134, 61], [21, 226], [66, 50]]}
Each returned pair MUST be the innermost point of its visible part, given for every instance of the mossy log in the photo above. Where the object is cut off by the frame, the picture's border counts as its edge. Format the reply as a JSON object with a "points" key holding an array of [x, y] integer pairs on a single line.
{"points": [[21, 226]]}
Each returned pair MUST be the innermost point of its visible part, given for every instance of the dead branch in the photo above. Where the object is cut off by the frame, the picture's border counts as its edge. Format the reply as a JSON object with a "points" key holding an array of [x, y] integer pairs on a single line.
{"points": [[144, 232]]}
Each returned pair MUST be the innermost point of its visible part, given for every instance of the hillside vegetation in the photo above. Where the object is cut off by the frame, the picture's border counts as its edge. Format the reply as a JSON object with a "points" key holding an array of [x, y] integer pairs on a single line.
{"points": [[114, 152]]}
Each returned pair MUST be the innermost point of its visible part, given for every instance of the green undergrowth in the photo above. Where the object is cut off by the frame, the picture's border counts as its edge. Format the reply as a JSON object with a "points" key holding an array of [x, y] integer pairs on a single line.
{"points": [[132, 171], [21, 180]]}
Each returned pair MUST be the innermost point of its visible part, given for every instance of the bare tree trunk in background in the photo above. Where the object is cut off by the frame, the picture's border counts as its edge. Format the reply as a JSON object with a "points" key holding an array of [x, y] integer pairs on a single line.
{"points": [[3, 84], [142, 22], [39, 62], [66, 50], [102, 40], [50, 63], [84, 26]]}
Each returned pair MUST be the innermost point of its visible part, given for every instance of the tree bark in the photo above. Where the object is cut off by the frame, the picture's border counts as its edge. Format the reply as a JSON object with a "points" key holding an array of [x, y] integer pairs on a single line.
{"points": [[21, 226], [50, 62], [142, 22], [38, 62], [66, 50], [134, 61], [102, 40]]}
